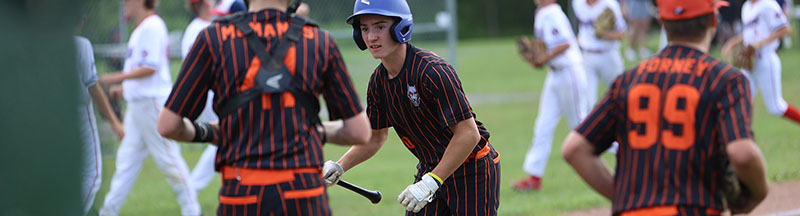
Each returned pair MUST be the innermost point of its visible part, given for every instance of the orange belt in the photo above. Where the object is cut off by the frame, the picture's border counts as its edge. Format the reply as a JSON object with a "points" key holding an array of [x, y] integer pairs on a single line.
{"points": [[660, 210], [482, 153], [249, 176]]}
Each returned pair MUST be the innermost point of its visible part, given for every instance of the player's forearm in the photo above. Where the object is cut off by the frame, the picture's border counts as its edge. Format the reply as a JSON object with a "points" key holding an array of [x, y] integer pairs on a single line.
{"points": [[173, 126], [775, 35], [558, 50], [748, 162], [726, 48], [579, 153], [138, 72], [613, 35], [101, 101], [360, 153], [118, 77], [465, 138], [351, 131]]}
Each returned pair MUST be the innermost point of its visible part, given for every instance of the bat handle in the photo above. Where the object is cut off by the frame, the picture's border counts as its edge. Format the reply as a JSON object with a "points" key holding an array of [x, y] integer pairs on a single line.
{"points": [[373, 196]]}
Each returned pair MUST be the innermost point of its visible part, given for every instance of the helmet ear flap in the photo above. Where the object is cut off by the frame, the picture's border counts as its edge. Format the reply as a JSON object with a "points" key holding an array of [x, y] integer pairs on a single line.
{"points": [[357, 36], [401, 30], [395, 31]]}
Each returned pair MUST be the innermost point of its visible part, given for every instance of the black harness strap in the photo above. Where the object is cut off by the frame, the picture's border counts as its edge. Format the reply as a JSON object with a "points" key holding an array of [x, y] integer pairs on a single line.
{"points": [[273, 76]]}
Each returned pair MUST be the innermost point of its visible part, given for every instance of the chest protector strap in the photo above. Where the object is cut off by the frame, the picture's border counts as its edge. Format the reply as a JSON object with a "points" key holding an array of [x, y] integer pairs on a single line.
{"points": [[273, 76]]}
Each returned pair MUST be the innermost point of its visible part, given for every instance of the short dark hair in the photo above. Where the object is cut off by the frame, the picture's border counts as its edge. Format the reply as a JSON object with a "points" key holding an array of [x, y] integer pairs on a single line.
{"points": [[693, 29], [150, 4]]}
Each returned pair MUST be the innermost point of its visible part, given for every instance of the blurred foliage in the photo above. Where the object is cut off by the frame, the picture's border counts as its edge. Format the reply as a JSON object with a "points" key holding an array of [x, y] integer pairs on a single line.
{"points": [[103, 18], [497, 18], [477, 18]]}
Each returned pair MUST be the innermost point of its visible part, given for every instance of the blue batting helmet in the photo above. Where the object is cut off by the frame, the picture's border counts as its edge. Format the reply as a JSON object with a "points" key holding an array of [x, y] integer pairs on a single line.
{"points": [[400, 30]]}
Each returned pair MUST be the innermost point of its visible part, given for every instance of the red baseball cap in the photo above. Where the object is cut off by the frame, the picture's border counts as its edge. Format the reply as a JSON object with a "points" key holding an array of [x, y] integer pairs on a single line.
{"points": [[194, 1], [687, 9]]}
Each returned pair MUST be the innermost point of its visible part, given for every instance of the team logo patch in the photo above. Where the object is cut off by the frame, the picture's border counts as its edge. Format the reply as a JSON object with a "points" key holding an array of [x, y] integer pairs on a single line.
{"points": [[366, 2], [413, 95]]}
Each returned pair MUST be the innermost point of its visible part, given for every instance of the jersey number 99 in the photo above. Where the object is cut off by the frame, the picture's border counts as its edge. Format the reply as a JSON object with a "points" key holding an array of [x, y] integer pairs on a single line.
{"points": [[644, 110]]}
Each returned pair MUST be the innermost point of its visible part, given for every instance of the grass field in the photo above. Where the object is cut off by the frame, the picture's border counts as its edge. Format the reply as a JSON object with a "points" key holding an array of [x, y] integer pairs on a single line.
{"points": [[487, 67]]}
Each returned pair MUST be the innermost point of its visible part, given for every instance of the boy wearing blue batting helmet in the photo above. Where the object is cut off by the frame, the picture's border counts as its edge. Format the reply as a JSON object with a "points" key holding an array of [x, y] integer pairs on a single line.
{"points": [[419, 94]]}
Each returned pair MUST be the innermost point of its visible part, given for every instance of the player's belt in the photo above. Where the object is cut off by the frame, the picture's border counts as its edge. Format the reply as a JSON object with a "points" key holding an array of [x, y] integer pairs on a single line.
{"points": [[482, 153], [249, 176], [661, 210]]}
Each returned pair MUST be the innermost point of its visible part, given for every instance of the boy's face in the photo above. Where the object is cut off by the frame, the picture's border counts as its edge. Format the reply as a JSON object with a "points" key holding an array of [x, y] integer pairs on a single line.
{"points": [[375, 31]]}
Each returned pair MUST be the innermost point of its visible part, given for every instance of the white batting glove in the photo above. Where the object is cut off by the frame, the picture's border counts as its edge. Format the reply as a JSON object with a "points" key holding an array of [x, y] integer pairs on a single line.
{"points": [[332, 172], [419, 194]]}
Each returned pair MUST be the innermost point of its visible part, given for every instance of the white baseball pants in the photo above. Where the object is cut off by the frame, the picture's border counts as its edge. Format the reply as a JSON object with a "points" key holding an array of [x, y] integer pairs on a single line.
{"points": [[766, 76], [142, 139], [605, 66], [564, 93], [203, 171]]}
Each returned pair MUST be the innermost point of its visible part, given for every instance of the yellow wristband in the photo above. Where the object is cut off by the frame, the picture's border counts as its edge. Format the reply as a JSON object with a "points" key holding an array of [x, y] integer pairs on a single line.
{"points": [[436, 177]]}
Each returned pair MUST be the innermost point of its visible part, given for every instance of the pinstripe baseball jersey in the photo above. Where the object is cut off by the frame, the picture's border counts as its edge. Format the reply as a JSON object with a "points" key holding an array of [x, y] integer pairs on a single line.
{"points": [[420, 103], [672, 115], [269, 132]]}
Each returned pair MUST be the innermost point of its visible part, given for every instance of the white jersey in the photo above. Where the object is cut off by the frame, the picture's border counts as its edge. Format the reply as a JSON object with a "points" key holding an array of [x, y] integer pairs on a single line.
{"points": [[760, 19], [147, 47], [587, 14], [190, 35], [553, 27]]}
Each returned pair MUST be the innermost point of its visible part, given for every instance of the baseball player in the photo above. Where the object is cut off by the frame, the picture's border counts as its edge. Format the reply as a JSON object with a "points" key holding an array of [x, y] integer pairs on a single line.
{"points": [[638, 14], [600, 53], [764, 25], [564, 91], [203, 171], [266, 69], [419, 94], [93, 160], [146, 83], [680, 118]]}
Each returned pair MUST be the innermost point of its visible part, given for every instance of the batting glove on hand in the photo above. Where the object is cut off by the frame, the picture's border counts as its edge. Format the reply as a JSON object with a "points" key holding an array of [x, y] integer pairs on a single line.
{"points": [[331, 172], [419, 194]]}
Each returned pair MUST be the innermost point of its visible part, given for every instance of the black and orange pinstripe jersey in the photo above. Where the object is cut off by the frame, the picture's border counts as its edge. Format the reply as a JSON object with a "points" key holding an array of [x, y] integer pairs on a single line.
{"points": [[270, 132], [420, 103], [672, 116]]}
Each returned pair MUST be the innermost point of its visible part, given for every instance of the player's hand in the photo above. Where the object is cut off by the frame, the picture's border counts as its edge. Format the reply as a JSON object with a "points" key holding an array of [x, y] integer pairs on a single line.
{"points": [[331, 173], [540, 61], [115, 92], [119, 130], [419, 194]]}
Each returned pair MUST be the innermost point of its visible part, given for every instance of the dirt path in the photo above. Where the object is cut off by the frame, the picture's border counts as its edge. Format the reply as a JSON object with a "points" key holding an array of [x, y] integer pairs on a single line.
{"points": [[783, 199]]}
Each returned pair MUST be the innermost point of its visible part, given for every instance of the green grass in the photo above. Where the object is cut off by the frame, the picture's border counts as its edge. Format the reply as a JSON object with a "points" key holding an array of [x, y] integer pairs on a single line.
{"points": [[486, 66]]}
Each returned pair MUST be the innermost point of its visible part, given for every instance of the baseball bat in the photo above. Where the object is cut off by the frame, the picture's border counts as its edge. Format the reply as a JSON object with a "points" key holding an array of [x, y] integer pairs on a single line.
{"points": [[373, 196]]}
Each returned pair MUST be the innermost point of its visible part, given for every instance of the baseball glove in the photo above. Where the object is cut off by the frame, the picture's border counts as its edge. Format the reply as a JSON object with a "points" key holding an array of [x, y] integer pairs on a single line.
{"points": [[530, 48], [743, 56], [734, 193], [604, 23]]}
